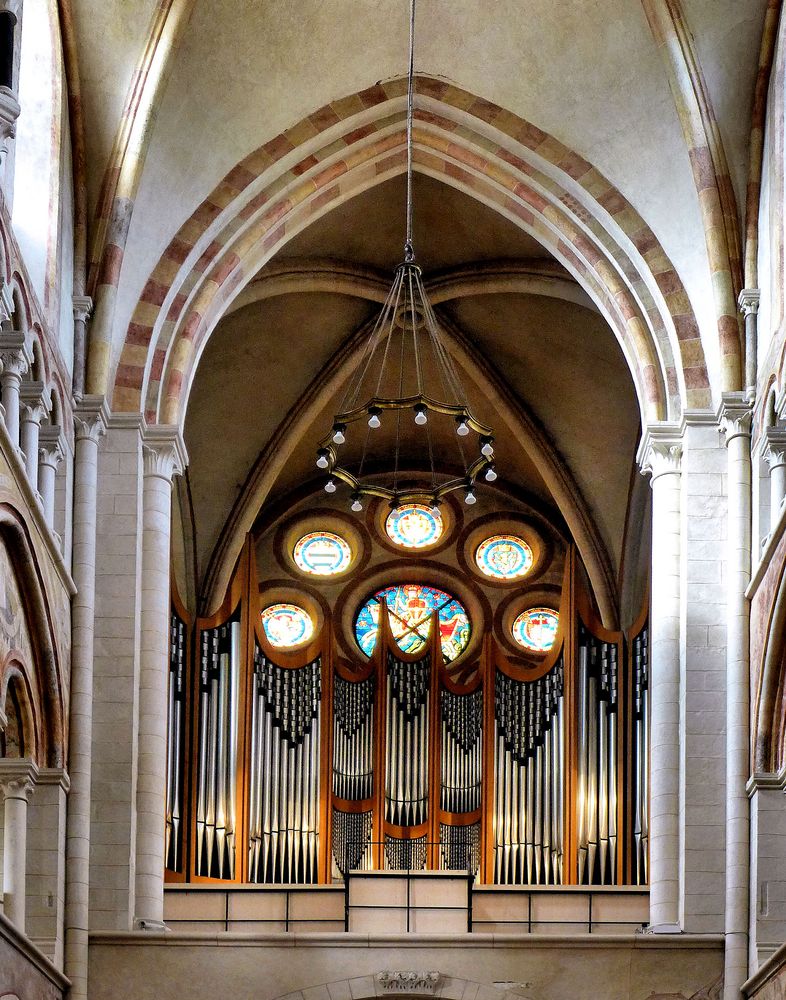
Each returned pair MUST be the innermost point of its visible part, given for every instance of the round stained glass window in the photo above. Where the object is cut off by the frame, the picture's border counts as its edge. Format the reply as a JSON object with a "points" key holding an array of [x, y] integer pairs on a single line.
{"points": [[536, 629], [410, 607], [414, 526], [322, 553], [504, 557], [287, 625]]}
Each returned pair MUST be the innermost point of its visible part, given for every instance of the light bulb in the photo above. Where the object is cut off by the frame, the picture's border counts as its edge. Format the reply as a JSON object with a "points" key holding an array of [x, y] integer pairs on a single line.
{"points": [[486, 448], [491, 475], [373, 420], [356, 504], [462, 429], [470, 498], [322, 459], [421, 416], [338, 433], [435, 509], [330, 486]]}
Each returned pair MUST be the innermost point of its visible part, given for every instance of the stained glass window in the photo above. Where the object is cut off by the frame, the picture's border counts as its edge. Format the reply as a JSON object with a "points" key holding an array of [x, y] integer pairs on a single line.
{"points": [[504, 557], [536, 629], [322, 553], [287, 625], [410, 606], [414, 526]]}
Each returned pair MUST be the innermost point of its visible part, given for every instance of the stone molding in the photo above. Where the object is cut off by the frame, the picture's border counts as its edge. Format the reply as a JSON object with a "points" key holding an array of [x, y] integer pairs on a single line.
{"points": [[54, 776], [735, 416], [767, 781], [408, 982], [164, 452], [660, 451], [18, 776]]}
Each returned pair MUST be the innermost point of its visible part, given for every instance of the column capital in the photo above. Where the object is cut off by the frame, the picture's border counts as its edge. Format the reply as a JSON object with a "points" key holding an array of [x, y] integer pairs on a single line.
{"points": [[18, 776], [34, 400], [164, 451], [748, 301], [735, 415], [15, 354], [51, 449], [83, 308], [660, 451], [91, 417], [774, 440]]}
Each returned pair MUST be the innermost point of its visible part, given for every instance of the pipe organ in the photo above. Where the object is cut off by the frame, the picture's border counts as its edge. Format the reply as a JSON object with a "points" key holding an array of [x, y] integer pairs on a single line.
{"points": [[296, 766], [529, 769], [284, 777], [217, 751]]}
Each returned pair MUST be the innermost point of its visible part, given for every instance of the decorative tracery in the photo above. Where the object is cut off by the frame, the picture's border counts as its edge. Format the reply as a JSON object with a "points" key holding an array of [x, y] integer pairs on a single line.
{"points": [[411, 609]]}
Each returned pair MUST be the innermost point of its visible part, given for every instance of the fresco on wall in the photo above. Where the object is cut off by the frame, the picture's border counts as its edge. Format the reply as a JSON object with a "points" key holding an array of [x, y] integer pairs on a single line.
{"points": [[14, 632]]}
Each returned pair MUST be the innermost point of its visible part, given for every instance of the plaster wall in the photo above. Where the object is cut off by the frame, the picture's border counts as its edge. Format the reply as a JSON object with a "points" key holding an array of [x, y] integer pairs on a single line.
{"points": [[174, 966]]}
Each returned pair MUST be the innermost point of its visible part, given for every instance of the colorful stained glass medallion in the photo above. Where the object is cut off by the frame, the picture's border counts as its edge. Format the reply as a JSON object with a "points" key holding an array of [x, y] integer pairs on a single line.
{"points": [[536, 629], [410, 607], [504, 557], [414, 526], [322, 553], [287, 625]]}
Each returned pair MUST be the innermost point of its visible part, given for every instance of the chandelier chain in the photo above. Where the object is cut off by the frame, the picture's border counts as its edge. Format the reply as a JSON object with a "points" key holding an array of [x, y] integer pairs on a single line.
{"points": [[409, 251]]}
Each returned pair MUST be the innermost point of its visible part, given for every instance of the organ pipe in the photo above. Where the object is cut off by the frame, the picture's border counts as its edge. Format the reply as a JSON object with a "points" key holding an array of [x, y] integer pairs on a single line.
{"points": [[462, 750], [640, 753], [352, 840], [353, 738], [597, 751], [407, 740], [175, 742], [217, 751], [528, 822], [284, 778]]}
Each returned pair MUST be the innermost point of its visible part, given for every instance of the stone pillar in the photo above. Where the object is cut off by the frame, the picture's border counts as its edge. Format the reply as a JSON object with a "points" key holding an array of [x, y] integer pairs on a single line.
{"points": [[46, 862], [17, 779], [660, 455], [164, 456], [90, 423], [775, 454], [748, 303], [50, 455], [16, 359], [735, 416], [83, 307], [33, 410]]}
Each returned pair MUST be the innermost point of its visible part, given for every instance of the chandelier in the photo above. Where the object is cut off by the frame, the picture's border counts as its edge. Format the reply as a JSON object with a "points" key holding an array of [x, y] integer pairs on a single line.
{"points": [[405, 372]]}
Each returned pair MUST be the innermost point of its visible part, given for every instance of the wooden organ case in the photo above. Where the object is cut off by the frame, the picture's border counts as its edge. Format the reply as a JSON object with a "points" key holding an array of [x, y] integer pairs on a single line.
{"points": [[296, 766]]}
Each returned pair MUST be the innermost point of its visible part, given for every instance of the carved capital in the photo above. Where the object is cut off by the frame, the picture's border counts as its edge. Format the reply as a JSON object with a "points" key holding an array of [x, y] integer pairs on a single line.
{"points": [[735, 416], [15, 354], [9, 112], [164, 452], [409, 982], [34, 401], [748, 301], [83, 308], [50, 446], [660, 451], [775, 447], [90, 418], [18, 776]]}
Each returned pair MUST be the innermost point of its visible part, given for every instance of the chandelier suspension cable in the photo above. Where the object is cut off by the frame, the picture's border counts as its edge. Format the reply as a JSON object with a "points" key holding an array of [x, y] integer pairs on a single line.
{"points": [[406, 366], [409, 250]]}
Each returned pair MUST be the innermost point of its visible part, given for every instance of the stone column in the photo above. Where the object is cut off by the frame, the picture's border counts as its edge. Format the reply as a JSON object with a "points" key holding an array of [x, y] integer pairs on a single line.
{"points": [[33, 410], [660, 455], [50, 455], [46, 862], [775, 454], [735, 416], [17, 779], [164, 456], [748, 304], [15, 358], [83, 307], [90, 422]]}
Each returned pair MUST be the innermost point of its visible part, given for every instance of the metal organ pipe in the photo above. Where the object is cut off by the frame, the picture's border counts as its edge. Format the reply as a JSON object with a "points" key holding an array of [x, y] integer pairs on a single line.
{"points": [[284, 792], [528, 778], [406, 750], [175, 735], [217, 750]]}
